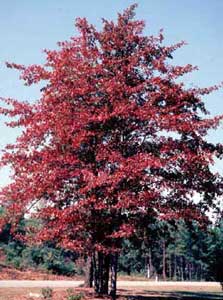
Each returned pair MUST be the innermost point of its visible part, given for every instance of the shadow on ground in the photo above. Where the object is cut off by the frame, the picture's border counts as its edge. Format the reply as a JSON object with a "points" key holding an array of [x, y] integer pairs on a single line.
{"points": [[154, 295]]}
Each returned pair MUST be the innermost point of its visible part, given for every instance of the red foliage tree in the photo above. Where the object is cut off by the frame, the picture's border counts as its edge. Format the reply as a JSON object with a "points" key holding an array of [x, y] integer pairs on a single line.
{"points": [[114, 139]]}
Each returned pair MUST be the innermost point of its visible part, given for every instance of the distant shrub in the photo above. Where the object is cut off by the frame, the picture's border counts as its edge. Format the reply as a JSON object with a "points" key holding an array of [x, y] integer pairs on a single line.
{"points": [[75, 297], [47, 293], [41, 257], [70, 291], [72, 296]]}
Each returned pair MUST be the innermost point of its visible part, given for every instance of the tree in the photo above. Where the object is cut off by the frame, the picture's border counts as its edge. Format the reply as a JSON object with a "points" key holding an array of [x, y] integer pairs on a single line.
{"points": [[188, 252], [215, 253], [131, 258], [115, 138]]}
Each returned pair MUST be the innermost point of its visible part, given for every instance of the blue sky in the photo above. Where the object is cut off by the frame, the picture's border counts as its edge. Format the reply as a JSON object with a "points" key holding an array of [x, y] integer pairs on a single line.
{"points": [[28, 26]]}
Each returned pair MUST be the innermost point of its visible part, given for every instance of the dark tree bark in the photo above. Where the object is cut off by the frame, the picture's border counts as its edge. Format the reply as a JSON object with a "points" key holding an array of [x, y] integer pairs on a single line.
{"points": [[164, 259], [182, 268], [190, 271], [175, 266], [89, 272], [105, 274], [101, 264], [170, 266], [95, 272], [114, 266], [100, 270]]}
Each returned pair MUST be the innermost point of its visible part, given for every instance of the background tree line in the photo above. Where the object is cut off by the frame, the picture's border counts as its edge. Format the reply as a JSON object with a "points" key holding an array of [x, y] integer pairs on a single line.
{"points": [[176, 251], [168, 251]]}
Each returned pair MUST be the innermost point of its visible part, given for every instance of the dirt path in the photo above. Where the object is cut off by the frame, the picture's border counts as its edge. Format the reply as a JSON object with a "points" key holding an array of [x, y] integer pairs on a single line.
{"points": [[135, 290], [121, 283], [39, 283], [168, 283]]}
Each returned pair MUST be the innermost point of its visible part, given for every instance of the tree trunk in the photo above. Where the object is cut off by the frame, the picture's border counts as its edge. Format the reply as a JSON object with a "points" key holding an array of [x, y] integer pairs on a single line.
{"points": [[190, 271], [105, 273], [195, 273], [175, 267], [95, 272], [148, 275], [150, 269], [88, 272], [100, 275], [182, 268], [101, 264], [114, 266], [170, 266], [193, 270], [164, 260]]}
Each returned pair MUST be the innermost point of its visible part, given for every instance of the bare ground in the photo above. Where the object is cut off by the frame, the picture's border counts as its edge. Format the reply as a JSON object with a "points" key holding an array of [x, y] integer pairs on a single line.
{"points": [[130, 290]]}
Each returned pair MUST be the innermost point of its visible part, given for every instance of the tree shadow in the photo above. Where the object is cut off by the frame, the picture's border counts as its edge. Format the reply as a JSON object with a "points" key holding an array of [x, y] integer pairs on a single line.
{"points": [[174, 295]]}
